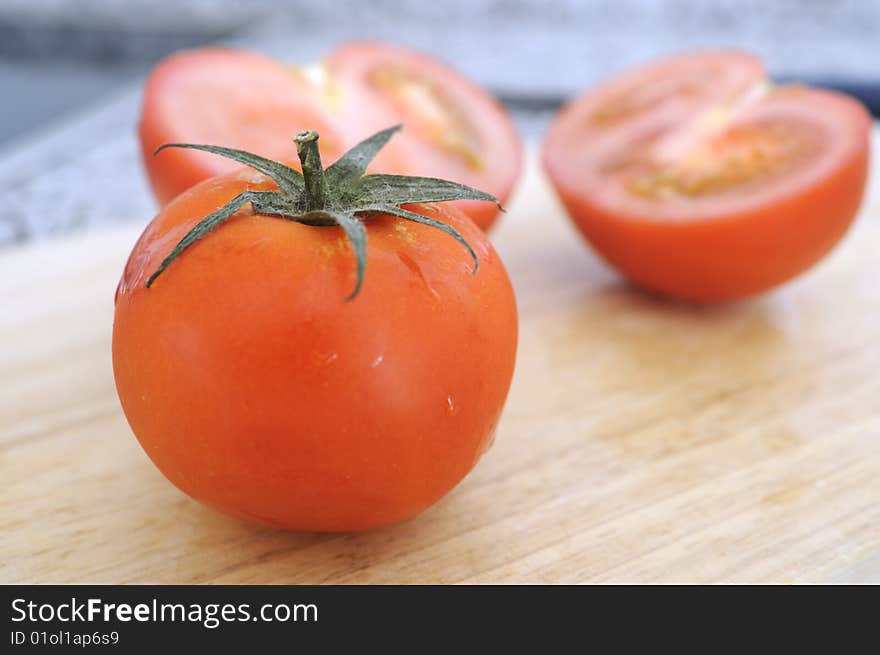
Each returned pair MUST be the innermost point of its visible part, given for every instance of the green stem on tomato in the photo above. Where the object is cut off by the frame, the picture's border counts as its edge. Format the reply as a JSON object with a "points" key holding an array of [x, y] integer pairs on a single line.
{"points": [[343, 195], [312, 170]]}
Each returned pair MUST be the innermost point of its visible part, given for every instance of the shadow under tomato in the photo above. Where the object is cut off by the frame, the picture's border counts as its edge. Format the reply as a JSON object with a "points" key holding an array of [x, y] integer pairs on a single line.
{"points": [[639, 360], [687, 374], [218, 548]]}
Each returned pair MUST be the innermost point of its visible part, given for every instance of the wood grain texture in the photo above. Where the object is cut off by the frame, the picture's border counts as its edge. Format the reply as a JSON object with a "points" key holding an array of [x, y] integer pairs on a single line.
{"points": [[642, 441]]}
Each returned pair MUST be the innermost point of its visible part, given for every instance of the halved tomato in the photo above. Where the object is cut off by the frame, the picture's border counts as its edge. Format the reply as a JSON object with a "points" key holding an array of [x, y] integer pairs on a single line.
{"points": [[698, 179], [452, 128]]}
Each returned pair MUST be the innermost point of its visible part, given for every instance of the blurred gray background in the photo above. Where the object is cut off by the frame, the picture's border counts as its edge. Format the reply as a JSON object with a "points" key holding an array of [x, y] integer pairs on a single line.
{"points": [[70, 70]]}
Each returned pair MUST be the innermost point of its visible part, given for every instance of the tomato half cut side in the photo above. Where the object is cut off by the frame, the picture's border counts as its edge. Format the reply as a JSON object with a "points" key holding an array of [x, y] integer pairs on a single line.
{"points": [[453, 129], [238, 99], [716, 200], [665, 92]]}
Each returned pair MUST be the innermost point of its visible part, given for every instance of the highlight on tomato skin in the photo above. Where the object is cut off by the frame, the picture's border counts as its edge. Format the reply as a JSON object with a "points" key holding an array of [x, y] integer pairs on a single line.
{"points": [[453, 128], [698, 179]]}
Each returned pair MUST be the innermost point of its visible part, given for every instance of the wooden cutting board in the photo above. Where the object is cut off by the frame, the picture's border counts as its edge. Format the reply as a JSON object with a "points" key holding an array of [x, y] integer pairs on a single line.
{"points": [[642, 440]]}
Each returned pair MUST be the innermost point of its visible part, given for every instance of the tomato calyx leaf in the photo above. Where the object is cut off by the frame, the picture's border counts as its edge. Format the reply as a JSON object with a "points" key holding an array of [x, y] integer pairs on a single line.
{"points": [[341, 195], [288, 179]]}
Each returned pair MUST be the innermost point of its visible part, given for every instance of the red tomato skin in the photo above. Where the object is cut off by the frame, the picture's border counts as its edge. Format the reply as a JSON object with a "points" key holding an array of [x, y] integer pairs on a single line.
{"points": [[730, 257], [257, 389]]}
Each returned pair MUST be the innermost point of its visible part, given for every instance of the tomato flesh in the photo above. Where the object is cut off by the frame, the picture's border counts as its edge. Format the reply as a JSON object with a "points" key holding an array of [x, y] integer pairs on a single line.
{"points": [[195, 96], [709, 191], [257, 389], [437, 122], [452, 128]]}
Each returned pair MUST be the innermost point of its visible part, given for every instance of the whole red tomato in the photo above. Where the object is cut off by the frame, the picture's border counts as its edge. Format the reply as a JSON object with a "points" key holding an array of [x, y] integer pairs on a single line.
{"points": [[259, 386]]}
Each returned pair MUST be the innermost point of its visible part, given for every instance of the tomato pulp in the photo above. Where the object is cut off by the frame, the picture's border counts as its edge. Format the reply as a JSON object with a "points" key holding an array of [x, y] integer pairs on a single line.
{"points": [[698, 179]]}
